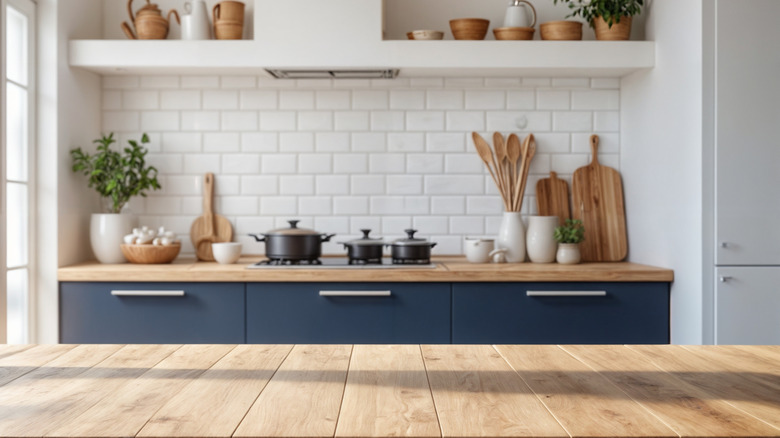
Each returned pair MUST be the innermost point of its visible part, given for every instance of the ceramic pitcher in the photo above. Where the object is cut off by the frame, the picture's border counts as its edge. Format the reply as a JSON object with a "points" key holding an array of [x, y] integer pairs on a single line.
{"points": [[520, 15], [195, 21]]}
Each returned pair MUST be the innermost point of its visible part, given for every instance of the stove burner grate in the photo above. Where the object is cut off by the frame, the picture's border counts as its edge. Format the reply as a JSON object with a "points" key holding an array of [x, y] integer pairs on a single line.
{"points": [[289, 262], [411, 261], [377, 261]]}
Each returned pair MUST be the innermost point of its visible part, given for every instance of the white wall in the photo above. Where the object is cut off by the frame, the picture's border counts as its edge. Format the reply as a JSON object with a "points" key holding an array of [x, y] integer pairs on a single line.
{"points": [[661, 159]]}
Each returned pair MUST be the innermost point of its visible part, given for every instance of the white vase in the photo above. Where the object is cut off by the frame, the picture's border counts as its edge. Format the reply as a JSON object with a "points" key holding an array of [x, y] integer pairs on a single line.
{"points": [[511, 236], [106, 231], [568, 253], [540, 240]]}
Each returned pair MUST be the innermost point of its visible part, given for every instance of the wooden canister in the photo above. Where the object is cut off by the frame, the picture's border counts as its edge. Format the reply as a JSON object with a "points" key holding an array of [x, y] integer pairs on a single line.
{"points": [[228, 30], [619, 31], [228, 10]]}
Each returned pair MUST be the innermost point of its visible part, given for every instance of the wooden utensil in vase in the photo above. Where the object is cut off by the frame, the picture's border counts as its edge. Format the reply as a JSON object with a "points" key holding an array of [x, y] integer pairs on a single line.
{"points": [[597, 200], [209, 228], [552, 198]]}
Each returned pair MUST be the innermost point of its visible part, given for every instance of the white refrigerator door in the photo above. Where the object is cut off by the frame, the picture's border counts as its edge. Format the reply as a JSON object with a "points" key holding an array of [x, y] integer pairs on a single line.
{"points": [[747, 309]]}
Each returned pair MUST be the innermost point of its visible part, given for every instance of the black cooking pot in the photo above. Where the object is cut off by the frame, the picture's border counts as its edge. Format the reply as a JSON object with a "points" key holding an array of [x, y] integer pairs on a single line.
{"points": [[293, 243], [411, 249], [365, 248]]}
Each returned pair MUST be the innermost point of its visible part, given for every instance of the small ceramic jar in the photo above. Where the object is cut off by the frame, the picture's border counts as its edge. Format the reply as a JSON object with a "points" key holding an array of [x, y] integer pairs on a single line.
{"points": [[568, 253]]}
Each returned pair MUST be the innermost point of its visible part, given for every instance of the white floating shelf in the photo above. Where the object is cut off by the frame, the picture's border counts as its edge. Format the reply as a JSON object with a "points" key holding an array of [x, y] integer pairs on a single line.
{"points": [[413, 58]]}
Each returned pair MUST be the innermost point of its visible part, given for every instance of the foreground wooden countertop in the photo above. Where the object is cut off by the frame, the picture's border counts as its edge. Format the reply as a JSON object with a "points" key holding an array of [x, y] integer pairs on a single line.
{"points": [[448, 269], [388, 390]]}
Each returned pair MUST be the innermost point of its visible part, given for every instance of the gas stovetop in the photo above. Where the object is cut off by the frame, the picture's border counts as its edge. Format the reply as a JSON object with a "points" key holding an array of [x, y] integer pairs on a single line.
{"points": [[339, 263]]}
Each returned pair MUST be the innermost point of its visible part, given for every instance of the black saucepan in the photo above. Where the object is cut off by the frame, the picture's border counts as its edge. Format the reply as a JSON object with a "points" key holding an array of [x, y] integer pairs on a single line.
{"points": [[411, 249], [293, 243]]}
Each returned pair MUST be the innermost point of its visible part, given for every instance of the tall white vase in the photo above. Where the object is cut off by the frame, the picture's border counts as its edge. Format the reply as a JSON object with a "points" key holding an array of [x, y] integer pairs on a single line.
{"points": [[540, 240], [511, 236], [106, 231]]}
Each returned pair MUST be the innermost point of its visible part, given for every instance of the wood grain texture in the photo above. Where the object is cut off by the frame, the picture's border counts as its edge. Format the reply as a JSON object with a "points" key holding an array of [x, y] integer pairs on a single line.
{"points": [[597, 200], [214, 403], [478, 394], [304, 396], [387, 394], [552, 198], [582, 400], [741, 384], [448, 269], [53, 402], [210, 227], [687, 409], [21, 361], [127, 412]]}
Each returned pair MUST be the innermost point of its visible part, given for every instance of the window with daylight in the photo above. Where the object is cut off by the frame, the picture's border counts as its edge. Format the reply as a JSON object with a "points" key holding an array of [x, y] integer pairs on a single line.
{"points": [[18, 26]]}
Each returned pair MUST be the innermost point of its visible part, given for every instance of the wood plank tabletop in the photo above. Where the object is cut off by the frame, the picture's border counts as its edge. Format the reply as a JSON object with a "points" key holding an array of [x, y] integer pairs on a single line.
{"points": [[419, 391]]}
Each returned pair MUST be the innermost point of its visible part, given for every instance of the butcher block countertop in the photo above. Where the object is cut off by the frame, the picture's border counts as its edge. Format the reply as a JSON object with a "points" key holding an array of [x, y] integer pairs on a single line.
{"points": [[388, 390], [448, 269]]}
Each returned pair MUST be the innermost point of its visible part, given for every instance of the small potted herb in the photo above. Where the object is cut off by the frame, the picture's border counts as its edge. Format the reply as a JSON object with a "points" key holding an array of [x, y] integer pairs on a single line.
{"points": [[569, 237], [611, 19], [117, 177]]}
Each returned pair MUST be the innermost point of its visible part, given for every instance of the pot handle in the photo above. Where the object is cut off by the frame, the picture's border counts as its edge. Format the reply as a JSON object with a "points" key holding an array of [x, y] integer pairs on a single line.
{"points": [[433, 244], [326, 237], [533, 10], [258, 238]]}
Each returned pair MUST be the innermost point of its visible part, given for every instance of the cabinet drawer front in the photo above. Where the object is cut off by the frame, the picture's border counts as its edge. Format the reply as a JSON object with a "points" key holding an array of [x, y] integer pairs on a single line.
{"points": [[152, 313], [349, 313], [560, 313]]}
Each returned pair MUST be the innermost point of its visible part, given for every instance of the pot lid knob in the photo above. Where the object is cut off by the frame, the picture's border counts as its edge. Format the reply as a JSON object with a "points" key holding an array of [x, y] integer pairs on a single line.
{"points": [[366, 232], [293, 223], [410, 233]]}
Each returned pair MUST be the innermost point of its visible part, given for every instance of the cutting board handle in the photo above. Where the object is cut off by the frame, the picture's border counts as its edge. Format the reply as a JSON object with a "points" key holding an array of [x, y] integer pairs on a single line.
{"points": [[208, 200], [594, 149]]}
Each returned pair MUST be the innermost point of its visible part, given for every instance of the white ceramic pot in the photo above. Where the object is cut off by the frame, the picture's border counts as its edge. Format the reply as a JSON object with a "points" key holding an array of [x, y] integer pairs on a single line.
{"points": [[568, 253], [226, 252], [511, 236], [195, 23], [478, 250], [540, 240], [106, 233]]}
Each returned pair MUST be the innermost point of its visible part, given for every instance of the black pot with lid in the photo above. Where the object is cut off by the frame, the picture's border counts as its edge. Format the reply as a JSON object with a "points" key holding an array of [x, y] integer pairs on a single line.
{"points": [[293, 243], [366, 249], [412, 250]]}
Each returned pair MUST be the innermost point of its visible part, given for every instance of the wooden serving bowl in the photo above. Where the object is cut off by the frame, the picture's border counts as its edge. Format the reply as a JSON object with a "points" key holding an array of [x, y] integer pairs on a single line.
{"points": [[150, 254], [561, 30], [514, 33], [469, 28]]}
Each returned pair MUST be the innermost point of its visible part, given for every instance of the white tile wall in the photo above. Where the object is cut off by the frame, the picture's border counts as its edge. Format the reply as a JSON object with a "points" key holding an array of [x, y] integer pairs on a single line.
{"points": [[351, 154]]}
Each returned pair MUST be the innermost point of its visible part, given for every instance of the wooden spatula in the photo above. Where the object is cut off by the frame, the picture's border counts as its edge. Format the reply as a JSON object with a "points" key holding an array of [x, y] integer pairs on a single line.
{"points": [[597, 200], [552, 198], [210, 227]]}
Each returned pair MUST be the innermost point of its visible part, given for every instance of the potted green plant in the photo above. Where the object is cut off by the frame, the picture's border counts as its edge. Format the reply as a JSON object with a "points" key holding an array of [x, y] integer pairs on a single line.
{"points": [[117, 177], [569, 235], [611, 19]]}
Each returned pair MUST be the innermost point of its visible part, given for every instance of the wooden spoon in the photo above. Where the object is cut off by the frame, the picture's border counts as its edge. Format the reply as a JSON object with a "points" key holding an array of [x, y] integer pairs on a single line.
{"points": [[513, 150], [529, 155], [486, 154], [500, 147]]}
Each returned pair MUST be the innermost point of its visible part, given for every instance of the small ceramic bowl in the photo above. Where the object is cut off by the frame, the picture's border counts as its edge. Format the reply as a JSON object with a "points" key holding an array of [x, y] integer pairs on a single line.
{"points": [[427, 34], [226, 252], [469, 28]]}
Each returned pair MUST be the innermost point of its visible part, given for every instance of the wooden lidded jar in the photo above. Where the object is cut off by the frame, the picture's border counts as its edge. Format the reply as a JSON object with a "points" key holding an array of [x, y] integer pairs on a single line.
{"points": [[149, 22]]}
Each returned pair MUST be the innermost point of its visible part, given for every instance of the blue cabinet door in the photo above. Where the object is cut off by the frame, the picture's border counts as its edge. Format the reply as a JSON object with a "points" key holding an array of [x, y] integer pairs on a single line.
{"points": [[152, 313], [560, 313], [349, 313]]}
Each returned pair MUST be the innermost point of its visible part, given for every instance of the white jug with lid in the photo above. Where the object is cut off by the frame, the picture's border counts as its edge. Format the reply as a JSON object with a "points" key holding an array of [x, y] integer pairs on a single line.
{"points": [[195, 21], [520, 15]]}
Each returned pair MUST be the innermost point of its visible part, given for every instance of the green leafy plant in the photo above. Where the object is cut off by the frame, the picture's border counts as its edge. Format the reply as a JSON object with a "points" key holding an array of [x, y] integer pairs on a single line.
{"points": [[609, 10], [117, 176], [571, 232]]}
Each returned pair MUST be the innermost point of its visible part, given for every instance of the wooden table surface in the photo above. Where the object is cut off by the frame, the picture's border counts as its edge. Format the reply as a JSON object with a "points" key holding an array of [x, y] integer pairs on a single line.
{"points": [[448, 269], [388, 390]]}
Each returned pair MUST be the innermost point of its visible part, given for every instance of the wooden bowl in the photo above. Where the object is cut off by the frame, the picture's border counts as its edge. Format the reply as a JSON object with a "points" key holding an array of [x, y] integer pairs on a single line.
{"points": [[469, 28], [561, 30], [410, 35], [427, 35], [150, 254], [514, 33]]}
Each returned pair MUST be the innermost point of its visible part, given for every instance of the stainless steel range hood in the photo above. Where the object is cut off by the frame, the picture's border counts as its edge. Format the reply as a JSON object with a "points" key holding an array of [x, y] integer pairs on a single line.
{"points": [[389, 73]]}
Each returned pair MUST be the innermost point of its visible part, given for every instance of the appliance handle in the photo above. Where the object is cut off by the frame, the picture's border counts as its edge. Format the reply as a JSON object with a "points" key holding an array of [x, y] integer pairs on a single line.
{"points": [[147, 293], [566, 293], [355, 293]]}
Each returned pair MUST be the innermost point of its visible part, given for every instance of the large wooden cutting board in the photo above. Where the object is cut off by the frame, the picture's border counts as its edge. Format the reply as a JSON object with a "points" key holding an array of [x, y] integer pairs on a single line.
{"points": [[597, 200], [211, 227], [552, 198]]}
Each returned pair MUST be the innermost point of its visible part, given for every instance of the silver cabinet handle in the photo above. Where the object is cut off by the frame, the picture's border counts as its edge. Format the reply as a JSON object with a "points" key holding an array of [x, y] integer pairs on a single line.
{"points": [[147, 293], [724, 279], [565, 293], [355, 293]]}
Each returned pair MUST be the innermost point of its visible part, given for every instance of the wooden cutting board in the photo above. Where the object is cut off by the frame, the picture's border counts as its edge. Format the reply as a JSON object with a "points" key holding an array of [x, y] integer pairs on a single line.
{"points": [[597, 200], [209, 228], [552, 198]]}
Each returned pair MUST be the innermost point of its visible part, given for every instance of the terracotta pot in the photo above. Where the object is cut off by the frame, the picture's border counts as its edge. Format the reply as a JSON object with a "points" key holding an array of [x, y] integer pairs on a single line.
{"points": [[561, 30], [619, 31]]}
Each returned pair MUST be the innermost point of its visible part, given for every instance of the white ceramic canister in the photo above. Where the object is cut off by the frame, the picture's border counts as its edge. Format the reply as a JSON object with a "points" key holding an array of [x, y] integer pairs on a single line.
{"points": [[478, 250], [107, 232], [511, 236], [568, 253], [540, 240], [195, 22], [520, 15]]}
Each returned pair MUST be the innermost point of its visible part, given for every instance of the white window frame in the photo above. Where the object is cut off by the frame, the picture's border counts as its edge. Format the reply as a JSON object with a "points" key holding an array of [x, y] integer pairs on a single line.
{"points": [[27, 8]]}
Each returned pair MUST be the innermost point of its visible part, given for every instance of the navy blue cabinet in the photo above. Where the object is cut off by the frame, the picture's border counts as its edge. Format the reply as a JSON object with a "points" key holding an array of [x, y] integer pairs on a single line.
{"points": [[152, 313], [350, 313], [560, 313]]}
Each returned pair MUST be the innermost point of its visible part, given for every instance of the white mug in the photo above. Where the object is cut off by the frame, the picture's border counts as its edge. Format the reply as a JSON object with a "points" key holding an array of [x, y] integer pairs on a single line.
{"points": [[195, 23], [478, 250]]}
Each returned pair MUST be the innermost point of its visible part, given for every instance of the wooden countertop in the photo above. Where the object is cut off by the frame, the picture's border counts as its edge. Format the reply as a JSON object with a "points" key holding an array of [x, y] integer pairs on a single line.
{"points": [[388, 390], [448, 269]]}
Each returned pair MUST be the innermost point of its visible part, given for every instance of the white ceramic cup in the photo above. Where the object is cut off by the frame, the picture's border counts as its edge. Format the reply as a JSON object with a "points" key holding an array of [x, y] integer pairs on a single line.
{"points": [[226, 252], [478, 250]]}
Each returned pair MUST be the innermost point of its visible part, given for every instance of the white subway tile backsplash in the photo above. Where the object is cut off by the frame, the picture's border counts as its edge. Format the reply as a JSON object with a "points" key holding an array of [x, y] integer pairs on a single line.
{"points": [[553, 99], [220, 100], [465, 121], [368, 142], [611, 160], [159, 82], [238, 81], [595, 100], [315, 205], [464, 82], [182, 185], [567, 164], [296, 142], [424, 163], [373, 223], [235, 164], [349, 205], [238, 205], [463, 163], [387, 163], [538, 121], [277, 120], [395, 205], [166, 164], [140, 100], [160, 121], [405, 184], [606, 121], [180, 100], [259, 185], [427, 225], [520, 100], [227, 185], [446, 142], [201, 163], [350, 163], [426, 82], [332, 224], [317, 84], [258, 99], [121, 82], [332, 142], [613, 83], [351, 121], [484, 204], [112, 100], [200, 121], [296, 185], [182, 141], [278, 205], [163, 205], [199, 82], [314, 163], [608, 143], [121, 121], [296, 100], [571, 82], [393, 226], [239, 121], [368, 185], [332, 184], [467, 225], [453, 184], [259, 141], [253, 224], [387, 121], [332, 100], [485, 100], [405, 142], [448, 204], [536, 82], [279, 163], [407, 99], [221, 142], [505, 83], [425, 121], [548, 143], [444, 99], [574, 121]]}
